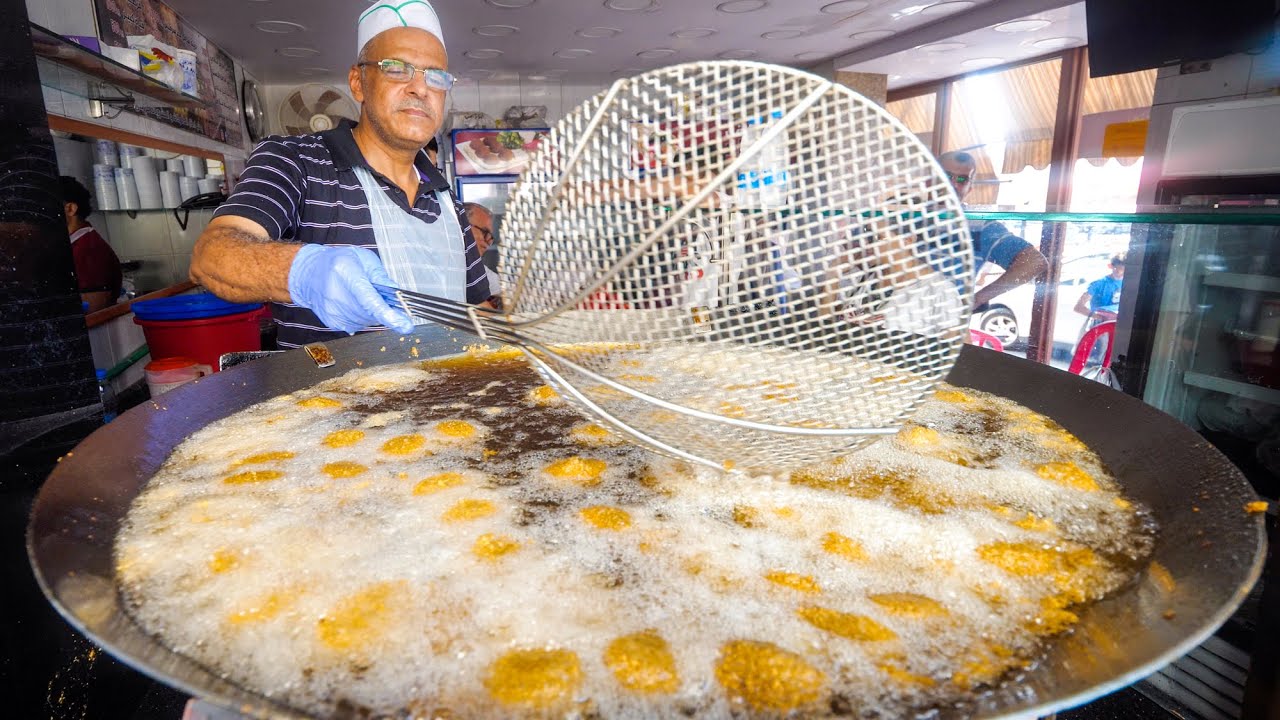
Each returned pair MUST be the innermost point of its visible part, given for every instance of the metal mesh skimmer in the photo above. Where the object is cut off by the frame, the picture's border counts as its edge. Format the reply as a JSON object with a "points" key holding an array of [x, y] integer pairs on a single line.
{"points": [[739, 264]]}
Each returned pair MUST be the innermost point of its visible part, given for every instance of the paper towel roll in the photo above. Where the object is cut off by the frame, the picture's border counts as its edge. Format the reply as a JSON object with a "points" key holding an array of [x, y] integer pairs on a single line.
{"points": [[127, 188], [104, 188], [174, 165], [193, 166], [170, 189], [106, 153], [189, 187], [148, 181], [210, 185], [128, 153]]}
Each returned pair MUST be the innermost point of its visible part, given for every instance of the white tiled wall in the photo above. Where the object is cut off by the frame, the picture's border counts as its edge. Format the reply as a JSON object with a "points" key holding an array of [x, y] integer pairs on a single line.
{"points": [[155, 238]]}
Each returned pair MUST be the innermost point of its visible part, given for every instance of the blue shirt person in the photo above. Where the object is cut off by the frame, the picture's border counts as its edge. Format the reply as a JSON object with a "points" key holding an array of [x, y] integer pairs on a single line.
{"points": [[992, 242], [1101, 300]]}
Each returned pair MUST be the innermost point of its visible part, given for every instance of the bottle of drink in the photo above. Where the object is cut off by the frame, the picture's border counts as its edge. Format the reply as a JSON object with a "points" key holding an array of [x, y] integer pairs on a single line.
{"points": [[762, 183], [108, 396]]}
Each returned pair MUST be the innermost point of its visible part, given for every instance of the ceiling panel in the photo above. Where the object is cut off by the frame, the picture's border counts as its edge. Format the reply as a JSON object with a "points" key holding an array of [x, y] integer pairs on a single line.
{"points": [[587, 38]]}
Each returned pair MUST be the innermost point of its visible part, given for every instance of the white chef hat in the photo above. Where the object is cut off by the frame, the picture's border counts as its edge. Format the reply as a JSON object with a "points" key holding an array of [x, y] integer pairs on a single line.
{"points": [[387, 14]]}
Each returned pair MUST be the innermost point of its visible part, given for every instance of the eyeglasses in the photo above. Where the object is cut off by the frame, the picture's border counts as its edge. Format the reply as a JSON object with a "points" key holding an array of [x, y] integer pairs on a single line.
{"points": [[399, 71], [484, 231], [959, 179]]}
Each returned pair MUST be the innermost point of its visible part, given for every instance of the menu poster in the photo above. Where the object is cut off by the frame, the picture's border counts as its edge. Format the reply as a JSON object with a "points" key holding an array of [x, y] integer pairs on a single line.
{"points": [[219, 119]]}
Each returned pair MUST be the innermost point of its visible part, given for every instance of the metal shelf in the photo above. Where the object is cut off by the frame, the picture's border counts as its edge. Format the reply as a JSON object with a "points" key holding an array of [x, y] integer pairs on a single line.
{"points": [[1243, 281], [85, 73], [1238, 388]]}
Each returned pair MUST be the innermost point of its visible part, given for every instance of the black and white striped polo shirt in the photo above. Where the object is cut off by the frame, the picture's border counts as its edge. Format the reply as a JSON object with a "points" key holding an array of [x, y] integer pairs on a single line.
{"points": [[303, 189]]}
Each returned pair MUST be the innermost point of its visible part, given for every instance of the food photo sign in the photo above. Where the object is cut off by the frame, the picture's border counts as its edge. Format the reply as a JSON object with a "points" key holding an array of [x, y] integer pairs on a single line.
{"points": [[494, 152]]}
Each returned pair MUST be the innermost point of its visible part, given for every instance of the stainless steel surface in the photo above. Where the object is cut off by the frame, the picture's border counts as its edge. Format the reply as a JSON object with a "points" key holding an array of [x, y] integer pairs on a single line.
{"points": [[1210, 546], [729, 225]]}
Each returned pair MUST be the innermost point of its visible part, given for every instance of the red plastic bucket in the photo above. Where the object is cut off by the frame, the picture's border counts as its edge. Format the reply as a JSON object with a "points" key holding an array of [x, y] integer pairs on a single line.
{"points": [[203, 339]]}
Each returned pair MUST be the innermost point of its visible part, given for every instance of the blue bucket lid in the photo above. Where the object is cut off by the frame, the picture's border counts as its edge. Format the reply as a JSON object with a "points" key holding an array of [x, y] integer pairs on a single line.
{"points": [[189, 307]]}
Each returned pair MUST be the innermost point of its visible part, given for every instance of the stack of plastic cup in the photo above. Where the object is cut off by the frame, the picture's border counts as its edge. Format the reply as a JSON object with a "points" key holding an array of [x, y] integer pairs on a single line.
{"points": [[105, 153], [170, 189], [127, 188], [193, 166], [128, 153], [188, 187], [210, 185], [174, 165], [148, 181], [104, 187]]}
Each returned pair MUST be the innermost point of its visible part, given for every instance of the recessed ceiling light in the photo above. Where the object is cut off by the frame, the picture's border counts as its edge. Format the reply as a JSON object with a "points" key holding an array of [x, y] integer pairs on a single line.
{"points": [[1058, 42], [314, 71], [946, 8], [1017, 26], [845, 7], [571, 53], [737, 54], [495, 30], [536, 77], [482, 53], [942, 47], [742, 6], [630, 5], [781, 34], [510, 4], [693, 33], [980, 62], [655, 53], [598, 32], [869, 35], [894, 77], [278, 27], [298, 52], [809, 56]]}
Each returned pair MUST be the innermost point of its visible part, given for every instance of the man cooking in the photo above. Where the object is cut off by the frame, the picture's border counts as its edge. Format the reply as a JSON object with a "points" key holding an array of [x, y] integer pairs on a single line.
{"points": [[992, 242], [317, 220]]}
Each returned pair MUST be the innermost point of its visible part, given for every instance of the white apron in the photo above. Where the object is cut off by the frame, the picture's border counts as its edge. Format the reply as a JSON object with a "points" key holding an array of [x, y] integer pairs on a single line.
{"points": [[427, 258]]}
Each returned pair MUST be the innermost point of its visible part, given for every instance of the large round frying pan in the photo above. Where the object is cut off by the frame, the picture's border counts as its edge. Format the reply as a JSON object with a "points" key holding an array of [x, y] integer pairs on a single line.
{"points": [[1212, 549]]}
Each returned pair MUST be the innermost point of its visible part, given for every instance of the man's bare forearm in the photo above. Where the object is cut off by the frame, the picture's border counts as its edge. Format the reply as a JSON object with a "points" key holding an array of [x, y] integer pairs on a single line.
{"points": [[239, 265], [1028, 265]]}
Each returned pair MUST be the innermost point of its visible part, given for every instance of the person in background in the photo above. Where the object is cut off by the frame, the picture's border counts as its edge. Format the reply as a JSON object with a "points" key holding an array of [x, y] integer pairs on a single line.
{"points": [[1101, 301], [992, 242], [482, 231], [97, 266], [318, 221]]}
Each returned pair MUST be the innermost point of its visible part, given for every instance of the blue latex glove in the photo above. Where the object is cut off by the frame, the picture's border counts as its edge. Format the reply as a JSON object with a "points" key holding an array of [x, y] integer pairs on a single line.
{"points": [[336, 283]]}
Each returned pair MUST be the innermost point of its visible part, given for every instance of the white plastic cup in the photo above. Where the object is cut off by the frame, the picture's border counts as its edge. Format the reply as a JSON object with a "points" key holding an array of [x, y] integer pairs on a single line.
{"points": [[105, 152], [174, 165], [170, 189], [210, 185], [127, 188], [193, 166], [187, 62], [104, 187], [128, 153], [188, 187], [148, 180]]}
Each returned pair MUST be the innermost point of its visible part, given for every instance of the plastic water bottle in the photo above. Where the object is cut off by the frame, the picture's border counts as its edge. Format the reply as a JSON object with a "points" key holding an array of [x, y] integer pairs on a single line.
{"points": [[763, 182], [107, 395]]}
